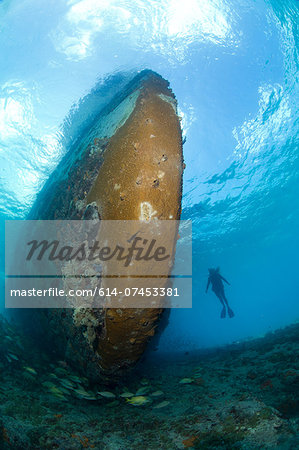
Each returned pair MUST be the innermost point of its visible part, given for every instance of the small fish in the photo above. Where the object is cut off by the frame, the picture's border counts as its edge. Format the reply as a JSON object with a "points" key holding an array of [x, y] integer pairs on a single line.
{"points": [[8, 338], [81, 392], [89, 396], [67, 384], [157, 393], [161, 405], [52, 375], [142, 390], [107, 394], [57, 392], [13, 356], [126, 395], [75, 379], [113, 404], [30, 370], [139, 400], [186, 380], [65, 391]]}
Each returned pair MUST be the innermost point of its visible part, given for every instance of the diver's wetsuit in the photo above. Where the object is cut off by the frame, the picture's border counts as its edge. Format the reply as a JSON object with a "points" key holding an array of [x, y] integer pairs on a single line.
{"points": [[217, 286]]}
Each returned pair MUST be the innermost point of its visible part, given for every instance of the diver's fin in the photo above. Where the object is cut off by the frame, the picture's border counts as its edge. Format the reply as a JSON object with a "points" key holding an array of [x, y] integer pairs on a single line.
{"points": [[223, 313], [230, 312]]}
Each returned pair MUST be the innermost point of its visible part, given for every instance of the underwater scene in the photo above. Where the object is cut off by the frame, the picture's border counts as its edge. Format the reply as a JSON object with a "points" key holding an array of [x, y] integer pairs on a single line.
{"points": [[149, 221]]}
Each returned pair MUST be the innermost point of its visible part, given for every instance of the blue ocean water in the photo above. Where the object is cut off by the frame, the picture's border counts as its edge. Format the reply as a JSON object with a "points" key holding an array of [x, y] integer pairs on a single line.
{"points": [[233, 68]]}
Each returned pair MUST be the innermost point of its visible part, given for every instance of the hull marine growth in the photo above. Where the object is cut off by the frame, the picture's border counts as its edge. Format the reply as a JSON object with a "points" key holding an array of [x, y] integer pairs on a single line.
{"points": [[127, 166]]}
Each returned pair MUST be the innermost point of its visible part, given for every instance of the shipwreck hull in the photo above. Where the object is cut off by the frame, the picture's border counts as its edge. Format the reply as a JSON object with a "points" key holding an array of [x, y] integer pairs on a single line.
{"points": [[127, 166]]}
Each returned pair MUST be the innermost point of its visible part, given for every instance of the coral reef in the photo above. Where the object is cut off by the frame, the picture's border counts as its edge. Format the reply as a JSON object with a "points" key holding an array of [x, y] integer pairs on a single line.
{"points": [[216, 399]]}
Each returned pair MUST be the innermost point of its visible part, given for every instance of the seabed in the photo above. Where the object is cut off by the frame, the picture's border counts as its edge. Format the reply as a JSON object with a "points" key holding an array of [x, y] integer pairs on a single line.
{"points": [[243, 396]]}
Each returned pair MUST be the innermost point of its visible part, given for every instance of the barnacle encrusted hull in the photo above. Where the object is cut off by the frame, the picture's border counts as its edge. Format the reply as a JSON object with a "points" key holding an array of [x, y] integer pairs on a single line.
{"points": [[127, 166]]}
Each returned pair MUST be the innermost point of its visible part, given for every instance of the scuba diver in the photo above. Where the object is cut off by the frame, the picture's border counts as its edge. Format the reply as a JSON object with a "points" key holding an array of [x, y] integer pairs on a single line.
{"points": [[217, 286]]}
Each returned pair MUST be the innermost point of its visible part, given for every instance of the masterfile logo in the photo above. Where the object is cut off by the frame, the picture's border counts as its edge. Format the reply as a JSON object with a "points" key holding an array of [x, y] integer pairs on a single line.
{"points": [[139, 249], [98, 263]]}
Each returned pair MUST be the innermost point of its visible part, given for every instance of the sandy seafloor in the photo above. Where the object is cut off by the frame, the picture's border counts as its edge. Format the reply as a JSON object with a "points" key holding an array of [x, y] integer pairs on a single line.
{"points": [[241, 396]]}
